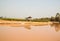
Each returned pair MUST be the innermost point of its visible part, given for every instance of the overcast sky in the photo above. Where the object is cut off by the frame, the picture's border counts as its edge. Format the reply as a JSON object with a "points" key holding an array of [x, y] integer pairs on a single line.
{"points": [[24, 8]]}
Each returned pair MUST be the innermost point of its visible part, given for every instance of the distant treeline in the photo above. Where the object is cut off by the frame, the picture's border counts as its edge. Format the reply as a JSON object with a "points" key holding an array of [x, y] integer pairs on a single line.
{"points": [[12, 19], [41, 19], [33, 20], [53, 18]]}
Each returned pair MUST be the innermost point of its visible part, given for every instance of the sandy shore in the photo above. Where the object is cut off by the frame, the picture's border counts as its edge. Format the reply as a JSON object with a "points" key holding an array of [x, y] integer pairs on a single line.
{"points": [[22, 23]]}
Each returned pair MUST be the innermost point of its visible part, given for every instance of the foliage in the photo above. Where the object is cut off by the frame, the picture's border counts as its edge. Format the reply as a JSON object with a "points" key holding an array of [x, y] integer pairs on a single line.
{"points": [[13, 19], [56, 18], [46, 19], [41, 19], [52, 18]]}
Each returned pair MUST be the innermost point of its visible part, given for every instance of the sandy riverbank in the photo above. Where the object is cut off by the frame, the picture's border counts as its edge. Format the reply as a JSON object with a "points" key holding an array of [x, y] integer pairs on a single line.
{"points": [[22, 23]]}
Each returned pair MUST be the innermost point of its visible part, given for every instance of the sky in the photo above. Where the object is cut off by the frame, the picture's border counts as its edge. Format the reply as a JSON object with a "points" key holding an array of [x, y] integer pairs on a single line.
{"points": [[25, 8]]}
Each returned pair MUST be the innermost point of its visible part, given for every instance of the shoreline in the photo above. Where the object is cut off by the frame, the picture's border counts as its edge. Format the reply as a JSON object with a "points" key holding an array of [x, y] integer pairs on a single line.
{"points": [[22, 23], [5, 21]]}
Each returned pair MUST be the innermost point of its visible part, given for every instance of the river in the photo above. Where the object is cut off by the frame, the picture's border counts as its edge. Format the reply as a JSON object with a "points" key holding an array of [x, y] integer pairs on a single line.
{"points": [[30, 33]]}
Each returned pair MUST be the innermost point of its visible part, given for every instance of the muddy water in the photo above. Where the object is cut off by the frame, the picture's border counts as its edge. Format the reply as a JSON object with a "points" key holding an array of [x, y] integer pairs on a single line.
{"points": [[30, 33]]}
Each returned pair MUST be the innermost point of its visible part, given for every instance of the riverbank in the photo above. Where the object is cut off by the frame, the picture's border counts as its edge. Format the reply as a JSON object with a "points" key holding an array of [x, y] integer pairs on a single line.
{"points": [[23, 23]]}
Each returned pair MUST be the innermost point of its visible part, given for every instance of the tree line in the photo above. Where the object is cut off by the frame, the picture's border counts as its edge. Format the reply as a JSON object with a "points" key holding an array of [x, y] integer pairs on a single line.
{"points": [[55, 18]]}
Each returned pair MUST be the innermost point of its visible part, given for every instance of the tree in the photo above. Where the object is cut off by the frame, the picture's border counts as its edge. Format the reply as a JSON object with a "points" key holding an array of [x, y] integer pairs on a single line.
{"points": [[52, 18], [1, 17], [57, 17], [29, 18]]}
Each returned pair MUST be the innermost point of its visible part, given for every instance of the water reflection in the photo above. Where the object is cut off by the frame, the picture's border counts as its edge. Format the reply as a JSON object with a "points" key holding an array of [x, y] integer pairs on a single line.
{"points": [[28, 25], [35, 32], [56, 26]]}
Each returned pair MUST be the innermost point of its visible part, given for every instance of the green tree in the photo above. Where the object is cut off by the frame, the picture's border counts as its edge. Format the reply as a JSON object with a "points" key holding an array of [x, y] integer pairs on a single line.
{"points": [[1, 17], [29, 18], [52, 18], [57, 17]]}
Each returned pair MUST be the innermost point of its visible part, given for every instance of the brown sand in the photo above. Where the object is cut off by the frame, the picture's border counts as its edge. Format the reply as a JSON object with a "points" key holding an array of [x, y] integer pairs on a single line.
{"points": [[22, 23]]}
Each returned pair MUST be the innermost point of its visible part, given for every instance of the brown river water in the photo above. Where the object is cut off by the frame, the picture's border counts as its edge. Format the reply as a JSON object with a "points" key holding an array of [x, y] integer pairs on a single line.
{"points": [[50, 32]]}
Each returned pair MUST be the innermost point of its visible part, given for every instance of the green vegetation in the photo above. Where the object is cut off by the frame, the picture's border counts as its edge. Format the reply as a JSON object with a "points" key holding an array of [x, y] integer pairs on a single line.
{"points": [[41, 19], [13, 19], [56, 18], [27, 19], [53, 18]]}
